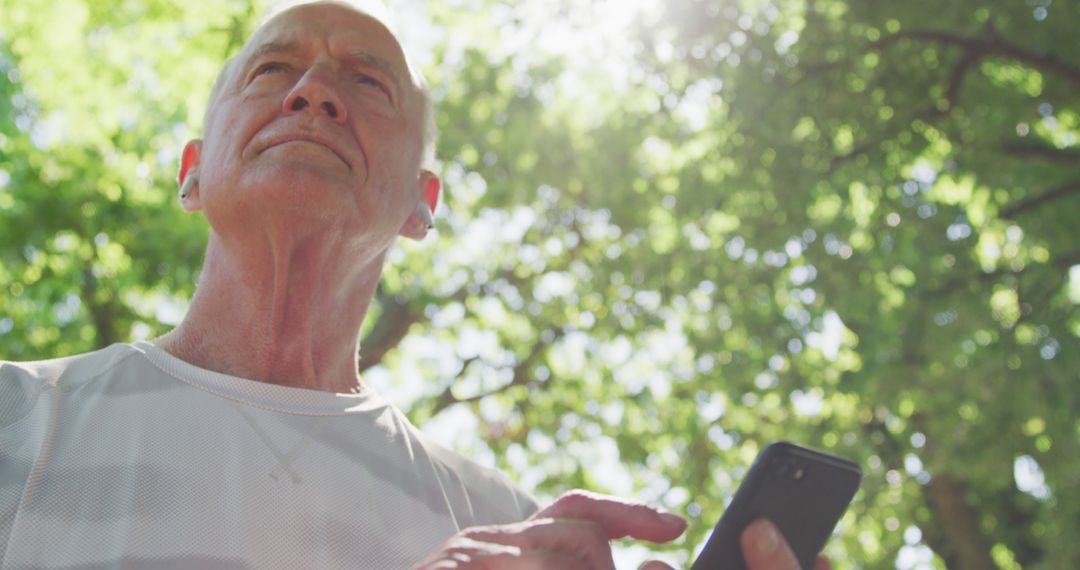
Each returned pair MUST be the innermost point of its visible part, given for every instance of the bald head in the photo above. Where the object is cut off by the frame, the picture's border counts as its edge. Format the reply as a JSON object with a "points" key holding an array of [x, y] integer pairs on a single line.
{"points": [[226, 78]]}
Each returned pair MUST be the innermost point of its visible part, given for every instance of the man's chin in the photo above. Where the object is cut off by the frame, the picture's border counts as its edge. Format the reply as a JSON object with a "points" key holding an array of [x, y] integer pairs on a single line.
{"points": [[300, 177], [300, 214]]}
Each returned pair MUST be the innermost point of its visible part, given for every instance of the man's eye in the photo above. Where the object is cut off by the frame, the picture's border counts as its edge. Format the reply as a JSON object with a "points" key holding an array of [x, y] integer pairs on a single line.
{"points": [[270, 68], [364, 79]]}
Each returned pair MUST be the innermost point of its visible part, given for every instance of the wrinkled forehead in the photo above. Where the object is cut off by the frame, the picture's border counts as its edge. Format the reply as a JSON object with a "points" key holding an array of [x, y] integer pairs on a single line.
{"points": [[360, 28], [318, 21]]}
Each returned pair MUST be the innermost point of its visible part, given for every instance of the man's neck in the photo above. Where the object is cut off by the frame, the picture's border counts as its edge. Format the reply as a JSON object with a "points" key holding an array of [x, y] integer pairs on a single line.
{"points": [[288, 314]]}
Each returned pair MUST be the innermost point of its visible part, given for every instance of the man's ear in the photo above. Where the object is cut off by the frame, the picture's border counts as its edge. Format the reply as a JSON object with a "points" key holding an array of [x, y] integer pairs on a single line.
{"points": [[188, 177], [430, 188], [421, 220]]}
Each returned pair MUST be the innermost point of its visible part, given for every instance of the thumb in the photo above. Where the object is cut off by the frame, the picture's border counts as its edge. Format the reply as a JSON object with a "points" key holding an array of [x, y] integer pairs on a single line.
{"points": [[654, 565], [764, 547]]}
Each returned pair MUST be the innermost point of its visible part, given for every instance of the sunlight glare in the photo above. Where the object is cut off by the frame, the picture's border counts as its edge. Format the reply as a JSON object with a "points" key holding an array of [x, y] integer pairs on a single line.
{"points": [[591, 36]]}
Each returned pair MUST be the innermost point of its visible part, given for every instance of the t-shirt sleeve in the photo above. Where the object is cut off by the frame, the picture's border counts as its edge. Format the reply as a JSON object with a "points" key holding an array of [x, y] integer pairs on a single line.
{"points": [[523, 502], [491, 497], [19, 390]]}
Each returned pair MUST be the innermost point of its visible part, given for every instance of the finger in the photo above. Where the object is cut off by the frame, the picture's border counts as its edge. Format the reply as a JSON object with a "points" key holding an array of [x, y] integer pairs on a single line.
{"points": [[583, 540], [654, 565], [619, 517], [765, 549], [822, 563], [523, 561], [530, 560], [463, 553], [461, 550], [544, 560]]}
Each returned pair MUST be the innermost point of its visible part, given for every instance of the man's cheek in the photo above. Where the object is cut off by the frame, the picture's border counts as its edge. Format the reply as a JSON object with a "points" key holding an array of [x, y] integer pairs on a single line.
{"points": [[372, 105]]}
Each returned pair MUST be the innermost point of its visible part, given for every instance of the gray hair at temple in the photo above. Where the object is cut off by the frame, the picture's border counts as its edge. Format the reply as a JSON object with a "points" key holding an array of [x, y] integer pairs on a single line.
{"points": [[377, 10]]}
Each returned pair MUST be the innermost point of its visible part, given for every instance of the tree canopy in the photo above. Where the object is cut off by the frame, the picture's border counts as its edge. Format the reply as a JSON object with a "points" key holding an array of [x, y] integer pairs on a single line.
{"points": [[673, 232]]}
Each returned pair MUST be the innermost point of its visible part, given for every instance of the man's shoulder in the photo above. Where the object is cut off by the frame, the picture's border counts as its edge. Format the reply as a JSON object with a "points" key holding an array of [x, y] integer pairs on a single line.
{"points": [[488, 485], [60, 372], [22, 383], [461, 464]]}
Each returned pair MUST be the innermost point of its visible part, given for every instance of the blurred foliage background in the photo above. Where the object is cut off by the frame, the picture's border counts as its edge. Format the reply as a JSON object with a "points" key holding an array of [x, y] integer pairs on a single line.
{"points": [[673, 232]]}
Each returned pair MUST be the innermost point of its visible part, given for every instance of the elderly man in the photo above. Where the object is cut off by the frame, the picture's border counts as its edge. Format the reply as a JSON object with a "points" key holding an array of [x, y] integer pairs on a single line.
{"points": [[244, 438]]}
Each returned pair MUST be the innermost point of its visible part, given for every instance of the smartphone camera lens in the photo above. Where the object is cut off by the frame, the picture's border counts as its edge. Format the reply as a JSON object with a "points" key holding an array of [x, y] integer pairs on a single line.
{"points": [[788, 469], [783, 470]]}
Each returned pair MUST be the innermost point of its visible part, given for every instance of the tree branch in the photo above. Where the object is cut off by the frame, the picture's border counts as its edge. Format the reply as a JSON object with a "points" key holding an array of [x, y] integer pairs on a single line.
{"points": [[1044, 151], [520, 378], [447, 397], [855, 152], [956, 81], [393, 324], [1061, 262], [991, 47], [952, 96], [1021, 206]]}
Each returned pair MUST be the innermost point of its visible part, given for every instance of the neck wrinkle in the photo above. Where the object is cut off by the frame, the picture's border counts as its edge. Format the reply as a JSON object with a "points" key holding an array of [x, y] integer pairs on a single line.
{"points": [[300, 331]]}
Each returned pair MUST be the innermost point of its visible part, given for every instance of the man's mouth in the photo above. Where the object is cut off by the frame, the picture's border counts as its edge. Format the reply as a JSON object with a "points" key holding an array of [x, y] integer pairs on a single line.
{"points": [[308, 138]]}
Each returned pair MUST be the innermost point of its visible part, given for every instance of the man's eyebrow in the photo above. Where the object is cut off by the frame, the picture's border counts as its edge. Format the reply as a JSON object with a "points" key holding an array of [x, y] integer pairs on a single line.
{"points": [[269, 47]]}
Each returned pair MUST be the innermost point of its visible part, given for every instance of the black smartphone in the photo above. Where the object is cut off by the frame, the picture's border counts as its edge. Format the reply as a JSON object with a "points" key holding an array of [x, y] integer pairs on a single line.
{"points": [[802, 491]]}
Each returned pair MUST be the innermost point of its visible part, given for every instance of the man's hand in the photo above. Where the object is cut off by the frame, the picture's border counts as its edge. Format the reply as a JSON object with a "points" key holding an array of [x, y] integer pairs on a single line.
{"points": [[574, 532]]}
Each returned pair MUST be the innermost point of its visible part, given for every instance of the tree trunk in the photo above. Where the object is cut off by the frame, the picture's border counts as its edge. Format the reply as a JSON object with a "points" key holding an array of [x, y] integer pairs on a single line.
{"points": [[948, 496]]}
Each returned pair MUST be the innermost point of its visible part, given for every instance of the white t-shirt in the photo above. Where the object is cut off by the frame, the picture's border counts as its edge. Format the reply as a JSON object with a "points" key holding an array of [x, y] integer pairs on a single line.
{"points": [[130, 457]]}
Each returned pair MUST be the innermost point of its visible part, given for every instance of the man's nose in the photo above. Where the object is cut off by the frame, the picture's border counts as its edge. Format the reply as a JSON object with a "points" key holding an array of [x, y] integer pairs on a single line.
{"points": [[315, 93]]}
